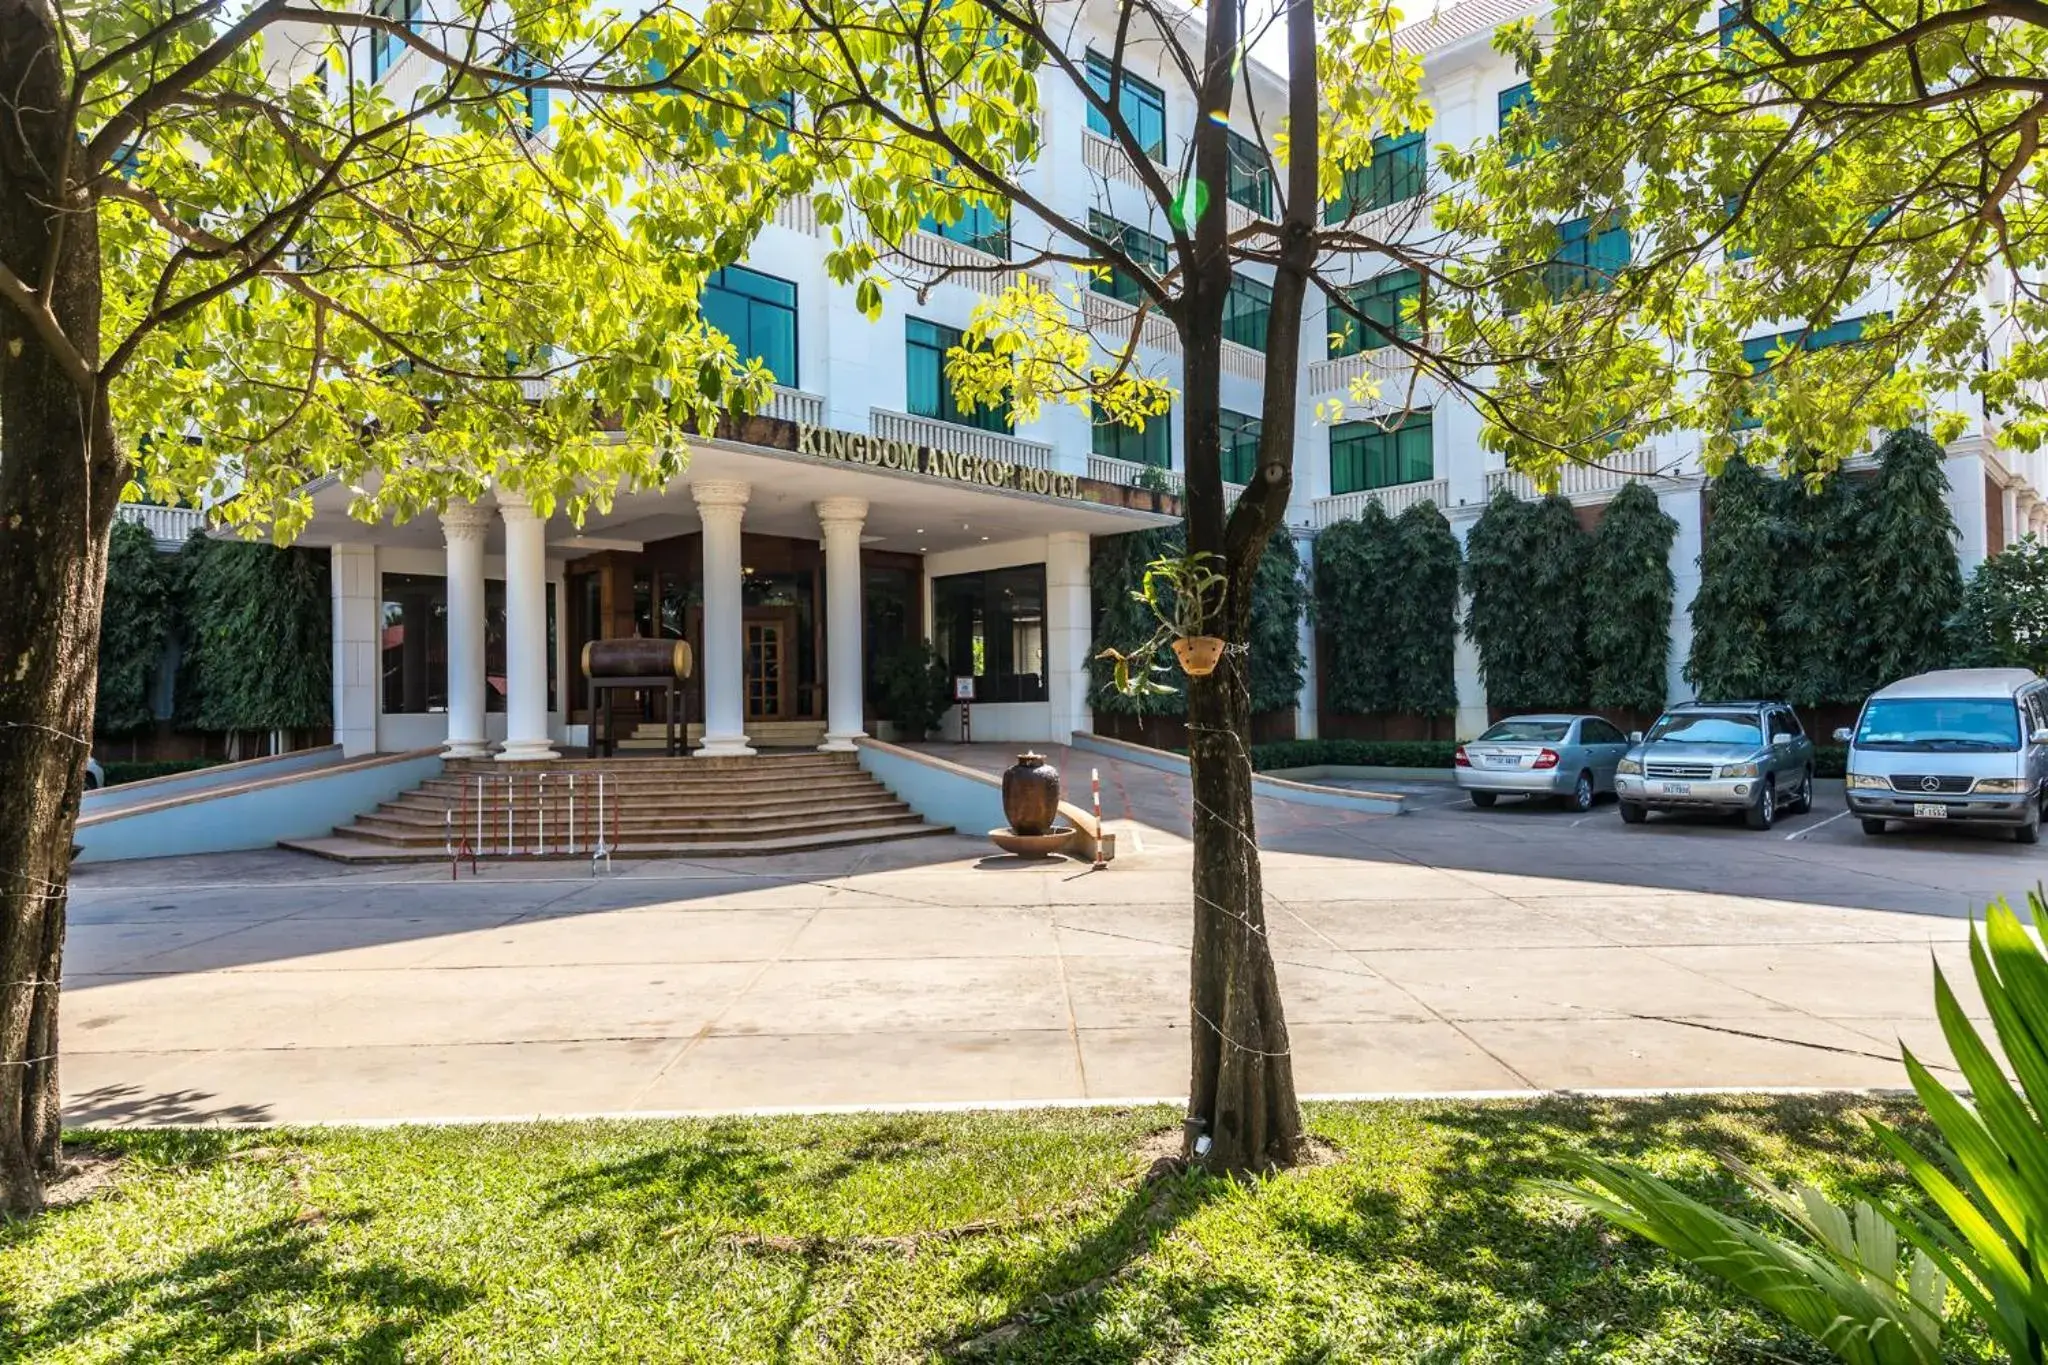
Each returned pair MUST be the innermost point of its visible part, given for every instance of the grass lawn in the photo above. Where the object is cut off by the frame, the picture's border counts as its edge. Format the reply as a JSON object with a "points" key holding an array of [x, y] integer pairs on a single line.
{"points": [[1003, 1237]]}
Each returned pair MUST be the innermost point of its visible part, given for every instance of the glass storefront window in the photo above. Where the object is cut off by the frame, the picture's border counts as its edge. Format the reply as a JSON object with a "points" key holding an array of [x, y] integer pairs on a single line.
{"points": [[414, 647], [992, 626]]}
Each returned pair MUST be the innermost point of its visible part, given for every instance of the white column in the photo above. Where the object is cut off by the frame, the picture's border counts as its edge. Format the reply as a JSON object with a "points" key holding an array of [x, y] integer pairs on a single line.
{"points": [[721, 504], [526, 632], [1307, 716], [1069, 630], [1966, 500], [358, 668], [1686, 506], [840, 519], [1470, 685], [463, 526]]}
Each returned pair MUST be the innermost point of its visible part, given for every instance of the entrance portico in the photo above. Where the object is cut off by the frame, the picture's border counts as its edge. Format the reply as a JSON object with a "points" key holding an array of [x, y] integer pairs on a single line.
{"points": [[795, 577]]}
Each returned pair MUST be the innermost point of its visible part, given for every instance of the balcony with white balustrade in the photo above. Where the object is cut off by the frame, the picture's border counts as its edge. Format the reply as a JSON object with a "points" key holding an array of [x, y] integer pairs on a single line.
{"points": [[1393, 499], [933, 434], [1591, 482], [1133, 474], [170, 527]]}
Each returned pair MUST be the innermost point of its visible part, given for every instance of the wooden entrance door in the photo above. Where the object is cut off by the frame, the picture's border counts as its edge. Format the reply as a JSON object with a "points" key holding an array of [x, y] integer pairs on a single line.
{"points": [[769, 670]]}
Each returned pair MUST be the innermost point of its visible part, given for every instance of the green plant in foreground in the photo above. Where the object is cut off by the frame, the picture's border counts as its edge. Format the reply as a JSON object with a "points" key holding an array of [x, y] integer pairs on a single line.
{"points": [[1184, 594], [1986, 1182]]}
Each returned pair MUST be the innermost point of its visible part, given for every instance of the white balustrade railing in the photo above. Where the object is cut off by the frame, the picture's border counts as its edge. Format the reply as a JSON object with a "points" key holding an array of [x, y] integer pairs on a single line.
{"points": [[795, 212], [1576, 480], [1390, 369], [1244, 362], [1394, 499], [1133, 474], [171, 527], [1109, 322], [957, 263], [932, 434], [794, 405], [1104, 158]]}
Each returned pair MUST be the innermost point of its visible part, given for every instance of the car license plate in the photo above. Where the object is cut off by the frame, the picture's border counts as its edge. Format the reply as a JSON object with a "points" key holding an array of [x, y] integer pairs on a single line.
{"points": [[1676, 788], [1929, 810]]}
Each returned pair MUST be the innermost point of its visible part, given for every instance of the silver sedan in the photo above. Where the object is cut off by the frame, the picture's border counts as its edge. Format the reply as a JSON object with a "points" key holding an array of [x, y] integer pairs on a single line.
{"points": [[1568, 757]]}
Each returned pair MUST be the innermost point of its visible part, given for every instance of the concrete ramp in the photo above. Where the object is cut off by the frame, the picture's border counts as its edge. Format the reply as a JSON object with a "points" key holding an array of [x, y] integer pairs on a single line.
{"points": [[243, 805]]}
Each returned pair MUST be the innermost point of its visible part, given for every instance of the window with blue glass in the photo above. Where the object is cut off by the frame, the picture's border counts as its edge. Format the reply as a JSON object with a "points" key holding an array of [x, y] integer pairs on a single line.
{"points": [[759, 313], [533, 101], [1142, 247], [985, 227], [1141, 103], [1515, 97], [1247, 309], [1734, 19], [1240, 433], [1587, 258], [1367, 455], [1382, 309], [930, 393], [384, 47], [1760, 352], [1251, 174], [1152, 446], [1399, 170]]}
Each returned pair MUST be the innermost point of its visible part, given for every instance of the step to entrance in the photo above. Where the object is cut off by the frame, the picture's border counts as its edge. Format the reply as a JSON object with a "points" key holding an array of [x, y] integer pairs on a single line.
{"points": [[652, 736], [653, 808]]}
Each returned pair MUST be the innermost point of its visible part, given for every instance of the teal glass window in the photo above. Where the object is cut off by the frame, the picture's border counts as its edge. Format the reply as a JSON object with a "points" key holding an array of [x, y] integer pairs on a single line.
{"points": [[759, 313], [1399, 169], [1247, 310], [385, 47], [1758, 351], [1387, 306], [1587, 259], [532, 99], [1251, 176], [929, 393], [984, 227], [1152, 446], [1141, 103], [1240, 433], [1515, 97], [1367, 455], [1142, 247]]}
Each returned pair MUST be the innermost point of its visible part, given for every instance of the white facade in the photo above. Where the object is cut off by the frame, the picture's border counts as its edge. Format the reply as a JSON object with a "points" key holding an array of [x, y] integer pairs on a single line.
{"points": [[851, 374]]}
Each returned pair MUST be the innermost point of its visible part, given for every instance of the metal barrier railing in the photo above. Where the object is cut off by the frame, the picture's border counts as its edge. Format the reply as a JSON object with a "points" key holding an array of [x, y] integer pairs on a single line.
{"points": [[597, 834]]}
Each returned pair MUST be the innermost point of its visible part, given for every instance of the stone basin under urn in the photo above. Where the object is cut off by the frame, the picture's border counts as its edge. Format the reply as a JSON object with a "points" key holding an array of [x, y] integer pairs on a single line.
{"points": [[1031, 800]]}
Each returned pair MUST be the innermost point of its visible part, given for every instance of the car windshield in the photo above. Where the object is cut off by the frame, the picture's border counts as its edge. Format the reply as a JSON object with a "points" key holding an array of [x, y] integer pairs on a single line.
{"points": [[1939, 724], [1528, 731], [1707, 727]]}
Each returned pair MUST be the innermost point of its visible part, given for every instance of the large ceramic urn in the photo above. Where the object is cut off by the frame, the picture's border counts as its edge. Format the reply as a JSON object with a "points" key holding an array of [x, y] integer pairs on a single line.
{"points": [[1031, 794]]}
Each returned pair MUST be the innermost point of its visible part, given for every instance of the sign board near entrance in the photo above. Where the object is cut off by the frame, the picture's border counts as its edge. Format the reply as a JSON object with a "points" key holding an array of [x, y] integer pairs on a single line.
{"points": [[854, 447]]}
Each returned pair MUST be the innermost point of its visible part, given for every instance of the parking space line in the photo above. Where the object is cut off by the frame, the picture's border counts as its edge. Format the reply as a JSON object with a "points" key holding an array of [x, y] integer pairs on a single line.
{"points": [[1817, 824]]}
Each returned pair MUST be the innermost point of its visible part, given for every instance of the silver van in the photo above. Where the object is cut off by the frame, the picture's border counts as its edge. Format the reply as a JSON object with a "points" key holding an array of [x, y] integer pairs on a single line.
{"points": [[1960, 744]]}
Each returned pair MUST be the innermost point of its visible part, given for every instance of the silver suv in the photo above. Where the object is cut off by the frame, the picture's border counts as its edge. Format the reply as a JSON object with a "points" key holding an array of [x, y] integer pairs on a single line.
{"points": [[1748, 756]]}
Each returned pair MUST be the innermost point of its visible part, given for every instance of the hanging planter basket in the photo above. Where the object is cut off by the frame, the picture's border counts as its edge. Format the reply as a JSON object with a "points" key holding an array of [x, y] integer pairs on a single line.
{"points": [[1198, 654]]}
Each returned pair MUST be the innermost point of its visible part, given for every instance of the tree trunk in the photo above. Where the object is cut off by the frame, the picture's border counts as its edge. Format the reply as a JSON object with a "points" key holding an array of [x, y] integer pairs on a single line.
{"points": [[60, 478]]}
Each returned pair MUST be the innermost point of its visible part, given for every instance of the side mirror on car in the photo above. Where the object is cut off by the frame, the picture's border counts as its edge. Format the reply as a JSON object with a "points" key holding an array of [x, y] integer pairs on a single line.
{"points": [[1635, 736], [1844, 735], [1779, 741], [2038, 737]]}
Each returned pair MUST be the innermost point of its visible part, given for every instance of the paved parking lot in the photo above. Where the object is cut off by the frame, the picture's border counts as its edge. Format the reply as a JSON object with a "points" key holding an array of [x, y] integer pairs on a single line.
{"points": [[1449, 950]]}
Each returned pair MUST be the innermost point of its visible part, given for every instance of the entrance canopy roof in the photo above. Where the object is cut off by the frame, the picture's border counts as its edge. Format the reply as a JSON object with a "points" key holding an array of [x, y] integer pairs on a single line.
{"points": [[908, 511]]}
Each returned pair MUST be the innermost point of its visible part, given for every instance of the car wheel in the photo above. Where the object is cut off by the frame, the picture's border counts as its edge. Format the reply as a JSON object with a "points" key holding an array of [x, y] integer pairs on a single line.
{"points": [[1581, 799], [1872, 825], [2030, 832], [1633, 814], [1764, 813], [1802, 800], [1484, 800]]}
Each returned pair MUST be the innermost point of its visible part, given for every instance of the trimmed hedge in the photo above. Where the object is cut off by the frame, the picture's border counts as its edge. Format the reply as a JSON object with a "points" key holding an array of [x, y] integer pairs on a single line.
{"points": [[120, 771]]}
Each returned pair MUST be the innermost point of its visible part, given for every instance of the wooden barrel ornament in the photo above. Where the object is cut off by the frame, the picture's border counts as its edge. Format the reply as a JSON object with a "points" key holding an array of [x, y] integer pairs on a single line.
{"points": [[637, 658]]}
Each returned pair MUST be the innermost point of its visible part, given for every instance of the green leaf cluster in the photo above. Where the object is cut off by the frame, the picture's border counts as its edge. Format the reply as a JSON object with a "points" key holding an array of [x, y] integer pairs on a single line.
{"points": [[1124, 624], [1822, 592], [1387, 612], [2003, 622], [1629, 589], [913, 689], [255, 625], [1526, 569], [136, 616]]}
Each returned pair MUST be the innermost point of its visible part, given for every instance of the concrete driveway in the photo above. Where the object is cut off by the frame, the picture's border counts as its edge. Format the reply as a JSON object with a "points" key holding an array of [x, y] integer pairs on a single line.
{"points": [[1451, 951]]}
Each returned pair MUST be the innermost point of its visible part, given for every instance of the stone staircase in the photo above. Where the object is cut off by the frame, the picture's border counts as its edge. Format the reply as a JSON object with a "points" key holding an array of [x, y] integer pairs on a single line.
{"points": [[651, 735], [654, 808]]}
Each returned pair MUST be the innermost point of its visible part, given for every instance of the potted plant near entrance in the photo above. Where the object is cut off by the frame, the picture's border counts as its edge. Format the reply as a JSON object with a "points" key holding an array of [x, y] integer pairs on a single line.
{"points": [[1183, 594], [915, 689]]}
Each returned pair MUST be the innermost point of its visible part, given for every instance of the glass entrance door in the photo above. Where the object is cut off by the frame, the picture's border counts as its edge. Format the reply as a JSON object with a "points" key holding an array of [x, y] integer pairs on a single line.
{"points": [[767, 694]]}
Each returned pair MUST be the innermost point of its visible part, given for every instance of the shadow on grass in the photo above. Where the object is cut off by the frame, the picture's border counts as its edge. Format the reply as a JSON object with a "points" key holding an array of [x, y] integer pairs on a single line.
{"points": [[245, 1293], [1472, 1251]]}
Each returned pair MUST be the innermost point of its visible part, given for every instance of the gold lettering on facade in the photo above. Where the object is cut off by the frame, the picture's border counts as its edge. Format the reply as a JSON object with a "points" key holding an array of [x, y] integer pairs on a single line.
{"points": [[853, 447]]}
